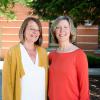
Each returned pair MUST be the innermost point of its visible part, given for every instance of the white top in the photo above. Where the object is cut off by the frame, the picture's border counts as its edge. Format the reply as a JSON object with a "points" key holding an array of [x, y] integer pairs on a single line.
{"points": [[33, 82]]}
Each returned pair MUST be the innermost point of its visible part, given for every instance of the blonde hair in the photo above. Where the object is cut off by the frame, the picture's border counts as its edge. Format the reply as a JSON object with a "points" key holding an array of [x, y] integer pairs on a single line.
{"points": [[73, 29]]}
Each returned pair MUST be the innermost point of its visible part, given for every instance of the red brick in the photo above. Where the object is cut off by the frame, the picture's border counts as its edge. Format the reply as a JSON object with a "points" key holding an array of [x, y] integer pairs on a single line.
{"points": [[86, 27], [87, 39], [87, 32], [8, 44], [45, 31], [20, 7], [10, 30], [45, 45], [10, 23], [82, 30], [88, 46], [45, 38], [3, 53], [45, 24], [10, 38], [21, 16]]}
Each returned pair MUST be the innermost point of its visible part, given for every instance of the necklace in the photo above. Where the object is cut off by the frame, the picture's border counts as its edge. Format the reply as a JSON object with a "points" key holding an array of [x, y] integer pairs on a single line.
{"points": [[67, 49]]}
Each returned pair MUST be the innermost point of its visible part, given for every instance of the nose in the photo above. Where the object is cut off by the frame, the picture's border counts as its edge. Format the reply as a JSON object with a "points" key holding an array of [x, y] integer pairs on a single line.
{"points": [[61, 29]]}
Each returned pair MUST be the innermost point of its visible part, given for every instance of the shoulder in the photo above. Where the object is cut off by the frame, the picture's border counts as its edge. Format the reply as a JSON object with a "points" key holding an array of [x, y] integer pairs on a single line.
{"points": [[80, 54], [78, 50], [14, 48], [52, 53], [13, 51], [41, 49]]}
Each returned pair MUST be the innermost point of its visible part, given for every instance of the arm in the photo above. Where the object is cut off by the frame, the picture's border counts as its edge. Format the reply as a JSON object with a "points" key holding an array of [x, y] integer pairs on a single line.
{"points": [[6, 79], [82, 73]]}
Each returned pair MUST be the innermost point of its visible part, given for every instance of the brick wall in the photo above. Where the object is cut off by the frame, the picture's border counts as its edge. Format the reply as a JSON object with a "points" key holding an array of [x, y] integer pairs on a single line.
{"points": [[9, 29], [87, 38]]}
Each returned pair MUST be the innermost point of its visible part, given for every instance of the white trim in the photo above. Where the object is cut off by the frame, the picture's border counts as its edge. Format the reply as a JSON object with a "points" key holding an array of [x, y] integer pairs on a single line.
{"points": [[9, 41], [19, 27], [95, 27], [45, 41], [45, 34], [89, 50], [8, 34], [9, 27], [87, 35], [45, 27], [10, 20], [87, 43], [3, 48]]}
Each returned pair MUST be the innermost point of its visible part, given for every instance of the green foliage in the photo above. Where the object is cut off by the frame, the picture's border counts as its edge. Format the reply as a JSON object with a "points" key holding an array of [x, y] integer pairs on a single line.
{"points": [[24, 2], [77, 9], [6, 7], [93, 60]]}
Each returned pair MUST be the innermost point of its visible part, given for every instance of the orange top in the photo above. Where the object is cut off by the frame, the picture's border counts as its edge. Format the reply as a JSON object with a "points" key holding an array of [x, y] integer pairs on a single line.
{"points": [[68, 76]]}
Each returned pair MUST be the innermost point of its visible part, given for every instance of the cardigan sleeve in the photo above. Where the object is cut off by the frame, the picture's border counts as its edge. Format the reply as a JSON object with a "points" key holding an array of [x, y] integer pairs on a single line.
{"points": [[82, 74], [7, 92]]}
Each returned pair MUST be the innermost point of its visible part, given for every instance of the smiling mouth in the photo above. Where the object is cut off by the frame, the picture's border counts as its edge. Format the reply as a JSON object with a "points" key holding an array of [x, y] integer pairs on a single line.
{"points": [[62, 35]]}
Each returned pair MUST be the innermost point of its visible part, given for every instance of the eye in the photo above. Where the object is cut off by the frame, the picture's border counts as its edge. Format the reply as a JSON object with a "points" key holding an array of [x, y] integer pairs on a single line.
{"points": [[57, 27], [31, 29], [65, 27], [36, 30]]}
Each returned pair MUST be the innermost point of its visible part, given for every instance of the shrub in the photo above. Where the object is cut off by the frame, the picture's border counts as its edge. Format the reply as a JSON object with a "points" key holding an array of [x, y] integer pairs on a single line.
{"points": [[93, 61]]}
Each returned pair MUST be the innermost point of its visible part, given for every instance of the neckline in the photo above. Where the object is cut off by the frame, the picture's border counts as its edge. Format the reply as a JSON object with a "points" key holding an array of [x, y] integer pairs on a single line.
{"points": [[35, 63], [68, 52]]}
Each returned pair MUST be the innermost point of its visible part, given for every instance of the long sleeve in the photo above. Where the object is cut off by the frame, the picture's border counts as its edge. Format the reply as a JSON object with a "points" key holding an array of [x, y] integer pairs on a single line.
{"points": [[82, 72], [6, 79], [11, 74]]}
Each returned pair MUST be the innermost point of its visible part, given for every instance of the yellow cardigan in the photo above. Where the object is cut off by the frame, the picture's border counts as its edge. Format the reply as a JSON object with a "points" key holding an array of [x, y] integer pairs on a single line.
{"points": [[13, 71]]}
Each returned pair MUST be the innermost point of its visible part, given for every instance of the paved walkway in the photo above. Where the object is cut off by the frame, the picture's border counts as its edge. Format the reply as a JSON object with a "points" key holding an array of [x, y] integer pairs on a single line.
{"points": [[94, 87]]}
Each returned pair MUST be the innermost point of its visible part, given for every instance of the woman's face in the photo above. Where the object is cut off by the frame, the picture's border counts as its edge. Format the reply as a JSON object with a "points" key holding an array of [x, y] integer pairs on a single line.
{"points": [[62, 31], [32, 32]]}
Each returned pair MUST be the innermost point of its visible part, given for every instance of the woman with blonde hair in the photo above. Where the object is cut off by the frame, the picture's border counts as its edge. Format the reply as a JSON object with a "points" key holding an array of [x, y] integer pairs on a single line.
{"points": [[68, 71]]}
